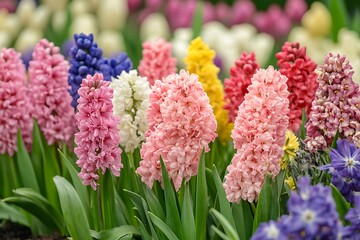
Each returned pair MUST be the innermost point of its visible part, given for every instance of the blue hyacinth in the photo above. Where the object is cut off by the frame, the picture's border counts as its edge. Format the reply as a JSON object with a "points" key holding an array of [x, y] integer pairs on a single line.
{"points": [[345, 170], [86, 58], [312, 215], [353, 231]]}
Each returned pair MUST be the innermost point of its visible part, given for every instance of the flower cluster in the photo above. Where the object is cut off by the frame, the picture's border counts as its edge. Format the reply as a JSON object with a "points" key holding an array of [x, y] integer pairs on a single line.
{"points": [[156, 62], [15, 106], [290, 148], [86, 58], [312, 215], [49, 93], [181, 125], [336, 104], [259, 135], [302, 85], [98, 138], [131, 101], [353, 231], [345, 170], [236, 86], [200, 61]]}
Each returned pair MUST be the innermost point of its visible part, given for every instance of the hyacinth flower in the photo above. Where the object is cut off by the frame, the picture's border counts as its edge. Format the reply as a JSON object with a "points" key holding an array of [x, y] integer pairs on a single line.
{"points": [[86, 58], [353, 231], [181, 124], [345, 170], [15, 106], [131, 101], [236, 86], [200, 61], [312, 215], [156, 61], [336, 104], [48, 71], [302, 85], [98, 138], [258, 135]]}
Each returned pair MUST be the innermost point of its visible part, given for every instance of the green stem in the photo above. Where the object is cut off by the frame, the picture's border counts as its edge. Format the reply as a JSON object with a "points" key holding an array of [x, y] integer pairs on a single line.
{"points": [[14, 172], [100, 209], [253, 208]]}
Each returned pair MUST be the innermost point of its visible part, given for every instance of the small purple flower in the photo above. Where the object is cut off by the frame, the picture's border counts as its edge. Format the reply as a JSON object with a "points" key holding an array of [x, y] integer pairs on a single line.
{"points": [[346, 159], [353, 231], [269, 231], [113, 66]]}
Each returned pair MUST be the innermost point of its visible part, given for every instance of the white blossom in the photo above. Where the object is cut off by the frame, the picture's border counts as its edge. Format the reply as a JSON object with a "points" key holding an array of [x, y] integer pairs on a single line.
{"points": [[131, 101]]}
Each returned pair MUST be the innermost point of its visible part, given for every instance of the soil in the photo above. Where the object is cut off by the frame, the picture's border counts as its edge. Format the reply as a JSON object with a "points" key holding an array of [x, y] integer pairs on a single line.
{"points": [[14, 231]]}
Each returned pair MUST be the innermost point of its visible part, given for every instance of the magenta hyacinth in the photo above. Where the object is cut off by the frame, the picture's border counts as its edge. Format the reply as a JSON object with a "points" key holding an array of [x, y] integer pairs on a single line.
{"points": [[236, 86], [50, 98], [98, 138], [258, 135], [302, 85], [336, 105], [156, 61], [15, 107], [181, 124]]}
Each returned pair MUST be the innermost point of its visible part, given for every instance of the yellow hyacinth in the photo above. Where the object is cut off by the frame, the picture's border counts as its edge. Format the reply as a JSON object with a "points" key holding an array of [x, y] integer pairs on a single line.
{"points": [[200, 61], [290, 148], [290, 182]]}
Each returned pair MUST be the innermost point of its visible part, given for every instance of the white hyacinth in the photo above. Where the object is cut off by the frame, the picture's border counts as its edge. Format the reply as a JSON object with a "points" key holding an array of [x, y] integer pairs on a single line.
{"points": [[131, 101]]}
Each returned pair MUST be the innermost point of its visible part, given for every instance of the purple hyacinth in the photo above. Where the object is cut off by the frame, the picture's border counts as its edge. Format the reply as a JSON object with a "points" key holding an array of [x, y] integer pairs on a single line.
{"points": [[86, 58], [312, 215], [345, 169], [269, 231], [113, 66], [353, 231]]}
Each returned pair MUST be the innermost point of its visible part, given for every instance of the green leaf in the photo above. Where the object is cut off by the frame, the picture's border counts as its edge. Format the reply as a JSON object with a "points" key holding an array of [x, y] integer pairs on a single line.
{"points": [[264, 203], [220, 233], [302, 126], [119, 232], [342, 206], [356, 21], [154, 203], [172, 211], [201, 204], [163, 227], [229, 229], [32, 202], [338, 17], [26, 170], [11, 213], [187, 216], [243, 218], [224, 203], [334, 142], [72, 209], [36, 158], [106, 189], [144, 233], [276, 194], [50, 166], [197, 19], [79, 187]]}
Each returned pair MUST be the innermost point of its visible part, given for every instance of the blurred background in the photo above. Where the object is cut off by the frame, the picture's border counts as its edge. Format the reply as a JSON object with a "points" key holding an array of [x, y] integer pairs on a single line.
{"points": [[227, 26]]}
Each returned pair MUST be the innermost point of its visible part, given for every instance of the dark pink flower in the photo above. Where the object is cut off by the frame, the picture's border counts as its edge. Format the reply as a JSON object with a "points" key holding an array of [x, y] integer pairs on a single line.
{"points": [[236, 85], [49, 93], [302, 85], [98, 138], [15, 107]]}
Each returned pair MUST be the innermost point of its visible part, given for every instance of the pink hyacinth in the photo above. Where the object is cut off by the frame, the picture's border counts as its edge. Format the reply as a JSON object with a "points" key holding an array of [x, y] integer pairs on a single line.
{"points": [[15, 107], [259, 134], [157, 62], [49, 93], [336, 104], [302, 85], [236, 86], [181, 125], [98, 138]]}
